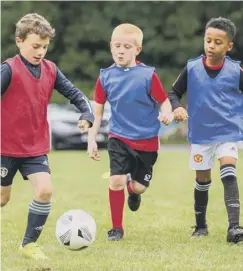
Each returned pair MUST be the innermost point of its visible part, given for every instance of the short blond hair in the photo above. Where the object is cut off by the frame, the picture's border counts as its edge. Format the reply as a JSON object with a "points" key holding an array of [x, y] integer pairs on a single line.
{"points": [[129, 29], [33, 23]]}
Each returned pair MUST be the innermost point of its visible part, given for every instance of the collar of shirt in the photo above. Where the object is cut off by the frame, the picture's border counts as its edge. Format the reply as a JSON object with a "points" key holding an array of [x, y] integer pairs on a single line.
{"points": [[216, 67], [28, 64]]}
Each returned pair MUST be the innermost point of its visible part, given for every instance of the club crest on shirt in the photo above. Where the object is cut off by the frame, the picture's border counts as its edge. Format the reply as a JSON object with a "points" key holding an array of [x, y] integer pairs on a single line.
{"points": [[4, 172], [198, 158]]}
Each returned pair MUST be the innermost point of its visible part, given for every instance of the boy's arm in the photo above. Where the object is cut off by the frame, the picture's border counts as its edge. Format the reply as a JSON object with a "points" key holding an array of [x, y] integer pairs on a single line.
{"points": [[100, 100], [6, 75], [159, 95], [99, 110], [92, 145], [76, 97], [166, 108], [175, 95], [178, 89]]}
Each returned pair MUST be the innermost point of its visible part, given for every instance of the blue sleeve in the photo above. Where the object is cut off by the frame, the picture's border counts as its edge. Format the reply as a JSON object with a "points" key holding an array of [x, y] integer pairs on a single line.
{"points": [[6, 75], [76, 97]]}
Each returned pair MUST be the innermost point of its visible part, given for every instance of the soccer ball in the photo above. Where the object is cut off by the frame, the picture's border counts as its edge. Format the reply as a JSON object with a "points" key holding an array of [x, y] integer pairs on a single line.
{"points": [[76, 229]]}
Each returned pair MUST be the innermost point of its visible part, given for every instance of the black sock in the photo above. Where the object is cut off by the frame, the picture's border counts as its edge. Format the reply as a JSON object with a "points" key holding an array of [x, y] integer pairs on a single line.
{"points": [[231, 194], [38, 213], [201, 202]]}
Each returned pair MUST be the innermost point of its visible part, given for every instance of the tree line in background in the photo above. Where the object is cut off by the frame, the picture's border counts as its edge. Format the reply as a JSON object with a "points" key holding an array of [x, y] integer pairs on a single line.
{"points": [[173, 33]]}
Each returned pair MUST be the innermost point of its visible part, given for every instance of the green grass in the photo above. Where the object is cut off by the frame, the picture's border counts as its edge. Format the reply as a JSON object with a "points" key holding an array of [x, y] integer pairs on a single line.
{"points": [[157, 237]]}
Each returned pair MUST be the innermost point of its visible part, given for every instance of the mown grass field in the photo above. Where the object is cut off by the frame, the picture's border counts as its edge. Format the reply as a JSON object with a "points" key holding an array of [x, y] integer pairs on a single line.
{"points": [[157, 236]]}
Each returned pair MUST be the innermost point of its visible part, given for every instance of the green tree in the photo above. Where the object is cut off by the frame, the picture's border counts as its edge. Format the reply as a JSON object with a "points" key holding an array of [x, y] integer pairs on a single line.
{"points": [[173, 33]]}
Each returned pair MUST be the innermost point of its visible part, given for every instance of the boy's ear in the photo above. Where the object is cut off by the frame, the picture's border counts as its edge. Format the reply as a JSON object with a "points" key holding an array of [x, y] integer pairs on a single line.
{"points": [[230, 46], [110, 45], [139, 49], [18, 41]]}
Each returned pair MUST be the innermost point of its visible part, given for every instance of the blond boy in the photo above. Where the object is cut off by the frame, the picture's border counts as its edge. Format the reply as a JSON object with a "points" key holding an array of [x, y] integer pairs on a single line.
{"points": [[138, 106]]}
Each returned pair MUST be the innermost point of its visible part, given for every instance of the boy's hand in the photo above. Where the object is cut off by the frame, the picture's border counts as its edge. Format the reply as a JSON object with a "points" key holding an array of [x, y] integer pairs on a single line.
{"points": [[180, 114], [93, 151], [83, 125], [165, 119]]}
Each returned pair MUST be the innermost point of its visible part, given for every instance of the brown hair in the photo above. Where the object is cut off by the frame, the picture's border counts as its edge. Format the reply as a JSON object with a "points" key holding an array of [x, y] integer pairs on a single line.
{"points": [[34, 23]]}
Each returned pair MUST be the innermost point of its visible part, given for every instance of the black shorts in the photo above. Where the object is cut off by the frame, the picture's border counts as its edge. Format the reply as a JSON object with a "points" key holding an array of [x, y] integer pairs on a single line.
{"points": [[124, 160], [26, 166]]}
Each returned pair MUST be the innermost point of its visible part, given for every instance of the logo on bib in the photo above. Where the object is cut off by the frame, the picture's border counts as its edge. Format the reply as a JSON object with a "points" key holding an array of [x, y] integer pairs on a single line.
{"points": [[198, 158]]}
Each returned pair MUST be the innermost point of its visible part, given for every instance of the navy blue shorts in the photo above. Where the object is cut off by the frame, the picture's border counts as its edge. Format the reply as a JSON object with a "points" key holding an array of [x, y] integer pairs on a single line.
{"points": [[26, 166]]}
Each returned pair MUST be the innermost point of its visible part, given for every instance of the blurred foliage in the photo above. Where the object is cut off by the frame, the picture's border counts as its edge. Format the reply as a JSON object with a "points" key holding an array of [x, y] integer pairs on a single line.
{"points": [[173, 33]]}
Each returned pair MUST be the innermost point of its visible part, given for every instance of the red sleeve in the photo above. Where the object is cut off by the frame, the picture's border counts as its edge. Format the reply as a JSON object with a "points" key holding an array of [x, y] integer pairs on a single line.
{"points": [[99, 94], [157, 90]]}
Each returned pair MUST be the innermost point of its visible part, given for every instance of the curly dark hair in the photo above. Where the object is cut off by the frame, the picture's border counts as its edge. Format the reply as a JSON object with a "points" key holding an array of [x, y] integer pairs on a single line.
{"points": [[223, 24], [34, 23]]}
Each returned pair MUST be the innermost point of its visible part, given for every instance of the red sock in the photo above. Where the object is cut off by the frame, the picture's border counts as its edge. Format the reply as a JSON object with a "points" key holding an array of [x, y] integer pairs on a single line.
{"points": [[129, 188], [117, 199]]}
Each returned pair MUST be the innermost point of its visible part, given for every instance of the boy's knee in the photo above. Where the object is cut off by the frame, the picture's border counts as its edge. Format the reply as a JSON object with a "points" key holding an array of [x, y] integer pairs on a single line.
{"points": [[138, 188], [4, 199], [118, 182], [44, 194], [203, 176], [5, 195]]}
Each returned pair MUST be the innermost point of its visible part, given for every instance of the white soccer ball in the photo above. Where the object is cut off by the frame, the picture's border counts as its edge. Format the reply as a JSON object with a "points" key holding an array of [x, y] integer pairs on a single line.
{"points": [[76, 229]]}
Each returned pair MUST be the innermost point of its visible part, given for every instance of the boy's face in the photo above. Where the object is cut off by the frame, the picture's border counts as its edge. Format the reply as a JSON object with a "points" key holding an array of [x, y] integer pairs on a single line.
{"points": [[33, 48], [216, 44], [124, 50]]}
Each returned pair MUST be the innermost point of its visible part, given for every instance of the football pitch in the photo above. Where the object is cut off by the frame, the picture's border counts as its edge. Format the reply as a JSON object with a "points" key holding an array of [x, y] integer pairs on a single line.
{"points": [[157, 236]]}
